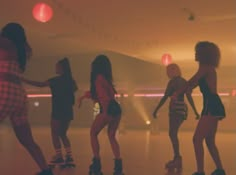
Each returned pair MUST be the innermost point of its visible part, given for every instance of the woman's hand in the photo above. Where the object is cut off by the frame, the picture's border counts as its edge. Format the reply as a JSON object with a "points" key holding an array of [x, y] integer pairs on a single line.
{"points": [[197, 116], [154, 114], [87, 94], [80, 100]]}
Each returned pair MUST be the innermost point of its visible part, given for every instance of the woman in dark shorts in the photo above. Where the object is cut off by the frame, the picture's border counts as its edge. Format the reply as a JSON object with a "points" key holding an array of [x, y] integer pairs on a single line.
{"points": [[62, 88], [177, 112], [102, 91], [208, 56], [14, 54]]}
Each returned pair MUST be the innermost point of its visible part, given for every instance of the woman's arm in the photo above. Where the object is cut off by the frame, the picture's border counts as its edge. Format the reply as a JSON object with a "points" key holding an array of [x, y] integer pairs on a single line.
{"points": [[104, 90], [168, 92], [193, 82], [190, 100], [162, 101], [75, 87], [35, 83], [87, 94]]}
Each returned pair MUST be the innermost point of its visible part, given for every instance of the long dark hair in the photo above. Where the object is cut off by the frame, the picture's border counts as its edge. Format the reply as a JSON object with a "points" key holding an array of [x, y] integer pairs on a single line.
{"points": [[101, 65], [16, 33], [65, 65]]}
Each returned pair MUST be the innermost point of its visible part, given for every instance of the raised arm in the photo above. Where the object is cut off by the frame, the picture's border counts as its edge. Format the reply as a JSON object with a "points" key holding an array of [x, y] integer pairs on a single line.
{"points": [[193, 82], [35, 83]]}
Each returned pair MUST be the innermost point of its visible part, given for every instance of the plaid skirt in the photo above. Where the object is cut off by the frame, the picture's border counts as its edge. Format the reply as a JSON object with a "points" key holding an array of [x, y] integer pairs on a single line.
{"points": [[178, 108], [13, 102]]}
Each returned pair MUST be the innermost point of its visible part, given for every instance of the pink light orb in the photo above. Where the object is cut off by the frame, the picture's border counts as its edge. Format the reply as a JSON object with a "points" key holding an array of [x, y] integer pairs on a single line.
{"points": [[42, 12], [166, 59]]}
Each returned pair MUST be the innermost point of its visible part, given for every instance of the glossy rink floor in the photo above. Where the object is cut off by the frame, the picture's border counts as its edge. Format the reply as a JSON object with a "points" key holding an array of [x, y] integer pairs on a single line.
{"points": [[143, 153]]}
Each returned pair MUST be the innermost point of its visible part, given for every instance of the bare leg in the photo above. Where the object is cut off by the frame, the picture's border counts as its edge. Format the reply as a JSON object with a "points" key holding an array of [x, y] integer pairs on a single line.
{"points": [[24, 135], [99, 123], [202, 131], [174, 125], [55, 125], [210, 141], [112, 128], [64, 126]]}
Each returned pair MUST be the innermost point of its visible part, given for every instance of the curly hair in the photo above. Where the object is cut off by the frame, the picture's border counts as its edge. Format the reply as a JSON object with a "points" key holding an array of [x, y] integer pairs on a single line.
{"points": [[101, 65], [207, 53]]}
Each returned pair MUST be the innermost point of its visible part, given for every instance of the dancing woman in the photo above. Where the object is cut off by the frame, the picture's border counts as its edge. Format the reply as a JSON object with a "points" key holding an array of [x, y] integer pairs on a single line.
{"points": [[207, 54], [102, 91], [63, 88], [177, 112], [14, 54]]}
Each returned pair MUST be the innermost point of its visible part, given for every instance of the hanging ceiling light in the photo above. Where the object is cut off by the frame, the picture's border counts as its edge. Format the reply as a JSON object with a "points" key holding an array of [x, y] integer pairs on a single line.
{"points": [[42, 12]]}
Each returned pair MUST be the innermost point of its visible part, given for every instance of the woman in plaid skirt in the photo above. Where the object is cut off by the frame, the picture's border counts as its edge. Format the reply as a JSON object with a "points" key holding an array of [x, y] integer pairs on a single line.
{"points": [[14, 52]]}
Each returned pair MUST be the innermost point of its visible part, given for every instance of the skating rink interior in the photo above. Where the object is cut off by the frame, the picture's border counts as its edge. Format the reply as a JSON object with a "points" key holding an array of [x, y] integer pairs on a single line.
{"points": [[144, 152], [144, 142]]}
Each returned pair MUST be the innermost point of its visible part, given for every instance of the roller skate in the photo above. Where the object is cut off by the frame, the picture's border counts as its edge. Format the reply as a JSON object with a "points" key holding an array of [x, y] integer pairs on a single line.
{"points": [[45, 172], [95, 167], [197, 173], [218, 172], [69, 162], [174, 165], [57, 160], [118, 169]]}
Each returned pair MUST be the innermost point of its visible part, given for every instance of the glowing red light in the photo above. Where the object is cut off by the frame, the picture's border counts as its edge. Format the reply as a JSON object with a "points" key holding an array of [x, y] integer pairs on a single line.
{"points": [[166, 59], [42, 12], [39, 95], [234, 92]]}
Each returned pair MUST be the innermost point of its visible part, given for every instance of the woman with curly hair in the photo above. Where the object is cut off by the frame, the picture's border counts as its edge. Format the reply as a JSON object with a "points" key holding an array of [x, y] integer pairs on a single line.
{"points": [[207, 54]]}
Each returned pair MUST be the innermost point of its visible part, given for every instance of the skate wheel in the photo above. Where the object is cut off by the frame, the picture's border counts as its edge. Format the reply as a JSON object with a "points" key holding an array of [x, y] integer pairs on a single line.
{"points": [[170, 169], [62, 166], [179, 170], [51, 166], [92, 173], [169, 164], [68, 166], [71, 166]]}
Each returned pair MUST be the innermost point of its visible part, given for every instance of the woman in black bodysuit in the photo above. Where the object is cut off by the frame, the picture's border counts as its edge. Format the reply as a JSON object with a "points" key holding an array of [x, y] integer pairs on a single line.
{"points": [[208, 56]]}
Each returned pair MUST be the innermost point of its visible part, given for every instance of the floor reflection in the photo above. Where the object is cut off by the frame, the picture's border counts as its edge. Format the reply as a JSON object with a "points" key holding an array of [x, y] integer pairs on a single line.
{"points": [[143, 152]]}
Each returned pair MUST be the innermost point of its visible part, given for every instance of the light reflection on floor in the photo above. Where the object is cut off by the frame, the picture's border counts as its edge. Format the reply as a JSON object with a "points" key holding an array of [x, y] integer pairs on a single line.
{"points": [[143, 153]]}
